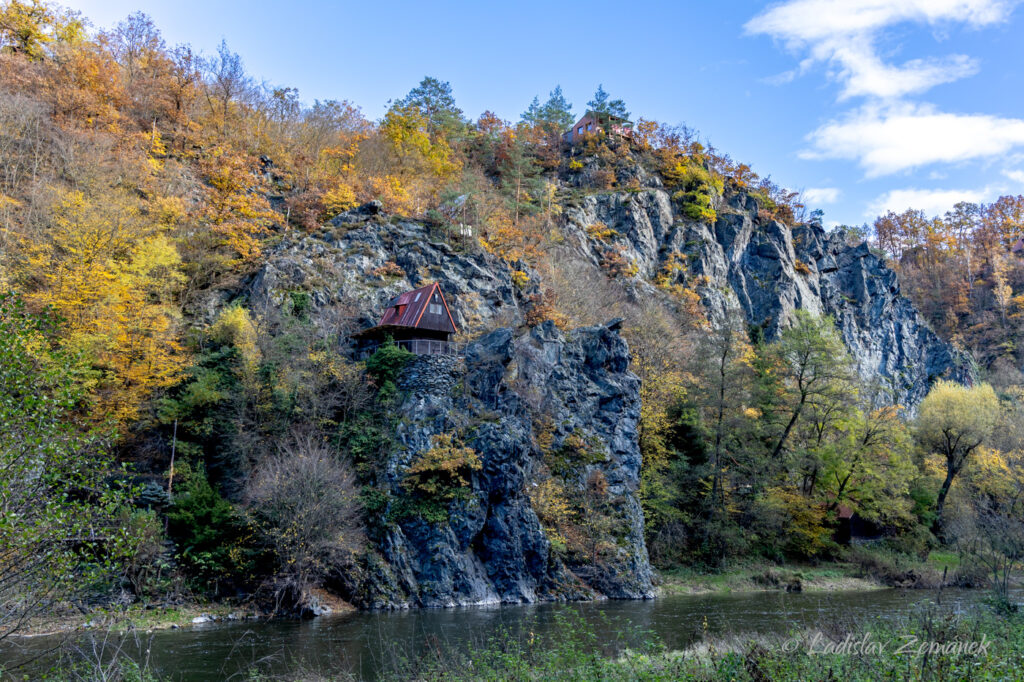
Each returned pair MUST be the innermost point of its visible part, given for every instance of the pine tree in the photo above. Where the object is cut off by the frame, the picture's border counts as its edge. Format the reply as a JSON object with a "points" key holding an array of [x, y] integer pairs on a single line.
{"points": [[603, 105]]}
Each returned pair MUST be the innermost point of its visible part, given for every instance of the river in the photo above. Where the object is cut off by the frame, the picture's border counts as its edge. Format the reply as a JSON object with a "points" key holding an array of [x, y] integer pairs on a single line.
{"points": [[365, 642]]}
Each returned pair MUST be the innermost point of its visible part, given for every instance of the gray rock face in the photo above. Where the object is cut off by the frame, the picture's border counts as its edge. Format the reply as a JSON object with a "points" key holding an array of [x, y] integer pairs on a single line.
{"points": [[493, 548], [768, 270], [362, 260]]}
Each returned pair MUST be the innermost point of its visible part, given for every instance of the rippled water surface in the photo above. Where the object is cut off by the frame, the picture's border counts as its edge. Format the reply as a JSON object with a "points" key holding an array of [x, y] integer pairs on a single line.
{"points": [[366, 642]]}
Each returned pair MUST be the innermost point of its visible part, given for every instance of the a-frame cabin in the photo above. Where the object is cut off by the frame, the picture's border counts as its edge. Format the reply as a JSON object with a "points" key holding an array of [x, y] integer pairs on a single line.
{"points": [[418, 320]]}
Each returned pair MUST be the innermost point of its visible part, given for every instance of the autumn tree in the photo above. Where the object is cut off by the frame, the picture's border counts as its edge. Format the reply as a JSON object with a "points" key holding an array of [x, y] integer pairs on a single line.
{"points": [[114, 275], [226, 83], [722, 373], [952, 422], [868, 468], [816, 367], [25, 27]]}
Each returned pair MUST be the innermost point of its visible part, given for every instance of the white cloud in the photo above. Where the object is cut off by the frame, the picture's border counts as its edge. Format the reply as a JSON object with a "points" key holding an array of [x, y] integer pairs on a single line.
{"points": [[1015, 175], [932, 201], [821, 195], [844, 33], [886, 140]]}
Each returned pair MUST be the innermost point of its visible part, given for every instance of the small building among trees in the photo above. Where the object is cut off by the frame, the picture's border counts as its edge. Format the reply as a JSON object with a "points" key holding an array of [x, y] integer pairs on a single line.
{"points": [[418, 320], [593, 122]]}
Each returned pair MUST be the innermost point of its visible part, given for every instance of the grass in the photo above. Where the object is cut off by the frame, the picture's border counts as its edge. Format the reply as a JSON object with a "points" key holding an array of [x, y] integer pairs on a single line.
{"points": [[756, 577], [135, 617], [862, 568]]}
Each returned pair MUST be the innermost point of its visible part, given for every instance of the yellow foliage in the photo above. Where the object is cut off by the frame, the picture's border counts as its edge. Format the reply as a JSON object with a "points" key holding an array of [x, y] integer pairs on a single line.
{"points": [[393, 194], [234, 327], [601, 232], [236, 214], [406, 129], [806, 532], [550, 502], [339, 199], [443, 470], [112, 276]]}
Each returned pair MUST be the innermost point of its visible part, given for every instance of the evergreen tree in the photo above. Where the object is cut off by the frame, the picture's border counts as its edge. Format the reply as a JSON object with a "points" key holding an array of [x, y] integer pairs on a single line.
{"points": [[603, 105], [434, 100], [557, 111]]}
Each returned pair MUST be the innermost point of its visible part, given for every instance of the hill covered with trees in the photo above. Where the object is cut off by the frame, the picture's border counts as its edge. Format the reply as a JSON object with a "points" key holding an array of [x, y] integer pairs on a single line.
{"points": [[669, 360]]}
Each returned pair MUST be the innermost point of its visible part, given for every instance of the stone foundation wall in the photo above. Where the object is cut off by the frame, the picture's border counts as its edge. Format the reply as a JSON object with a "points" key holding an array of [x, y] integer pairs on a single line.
{"points": [[431, 374]]}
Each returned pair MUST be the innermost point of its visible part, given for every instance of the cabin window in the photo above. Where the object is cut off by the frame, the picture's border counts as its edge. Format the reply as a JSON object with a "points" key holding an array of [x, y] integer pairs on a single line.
{"points": [[435, 308], [589, 126], [579, 131]]}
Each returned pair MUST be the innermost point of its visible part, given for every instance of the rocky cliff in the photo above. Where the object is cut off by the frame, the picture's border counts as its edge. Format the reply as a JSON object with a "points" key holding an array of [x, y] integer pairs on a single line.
{"points": [[766, 269], [519, 399], [494, 548], [554, 415]]}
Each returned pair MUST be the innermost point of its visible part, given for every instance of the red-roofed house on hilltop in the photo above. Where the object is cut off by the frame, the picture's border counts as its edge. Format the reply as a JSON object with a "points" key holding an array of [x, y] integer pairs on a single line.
{"points": [[418, 320]]}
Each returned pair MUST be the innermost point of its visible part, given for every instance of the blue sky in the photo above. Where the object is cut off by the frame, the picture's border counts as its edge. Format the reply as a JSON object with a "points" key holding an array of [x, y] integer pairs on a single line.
{"points": [[865, 105]]}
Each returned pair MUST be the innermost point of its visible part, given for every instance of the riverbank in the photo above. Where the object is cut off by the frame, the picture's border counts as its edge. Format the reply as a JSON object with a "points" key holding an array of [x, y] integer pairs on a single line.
{"points": [[601, 639], [145, 618], [761, 577], [863, 571]]}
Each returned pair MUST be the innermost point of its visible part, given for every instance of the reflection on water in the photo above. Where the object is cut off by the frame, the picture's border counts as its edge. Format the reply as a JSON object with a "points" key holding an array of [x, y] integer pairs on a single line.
{"points": [[366, 642]]}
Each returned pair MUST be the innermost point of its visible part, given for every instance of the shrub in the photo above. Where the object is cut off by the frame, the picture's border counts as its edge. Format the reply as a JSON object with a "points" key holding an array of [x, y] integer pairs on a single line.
{"points": [[600, 232], [542, 309], [386, 364], [338, 199], [389, 269], [802, 268], [576, 452], [439, 476], [615, 262], [207, 530], [234, 327], [305, 503], [604, 179], [550, 501]]}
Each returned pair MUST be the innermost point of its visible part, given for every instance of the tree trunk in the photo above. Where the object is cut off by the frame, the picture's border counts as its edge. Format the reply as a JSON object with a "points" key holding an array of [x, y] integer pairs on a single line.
{"points": [[940, 502]]}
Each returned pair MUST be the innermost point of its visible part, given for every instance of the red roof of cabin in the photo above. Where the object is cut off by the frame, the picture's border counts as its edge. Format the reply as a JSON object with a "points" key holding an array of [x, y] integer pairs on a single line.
{"points": [[407, 310]]}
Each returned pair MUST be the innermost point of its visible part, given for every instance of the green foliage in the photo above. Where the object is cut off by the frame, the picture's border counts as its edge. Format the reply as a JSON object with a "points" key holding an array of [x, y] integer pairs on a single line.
{"points": [[386, 364], [59, 530], [696, 187], [553, 117], [577, 451], [604, 104], [209, 532], [434, 100]]}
